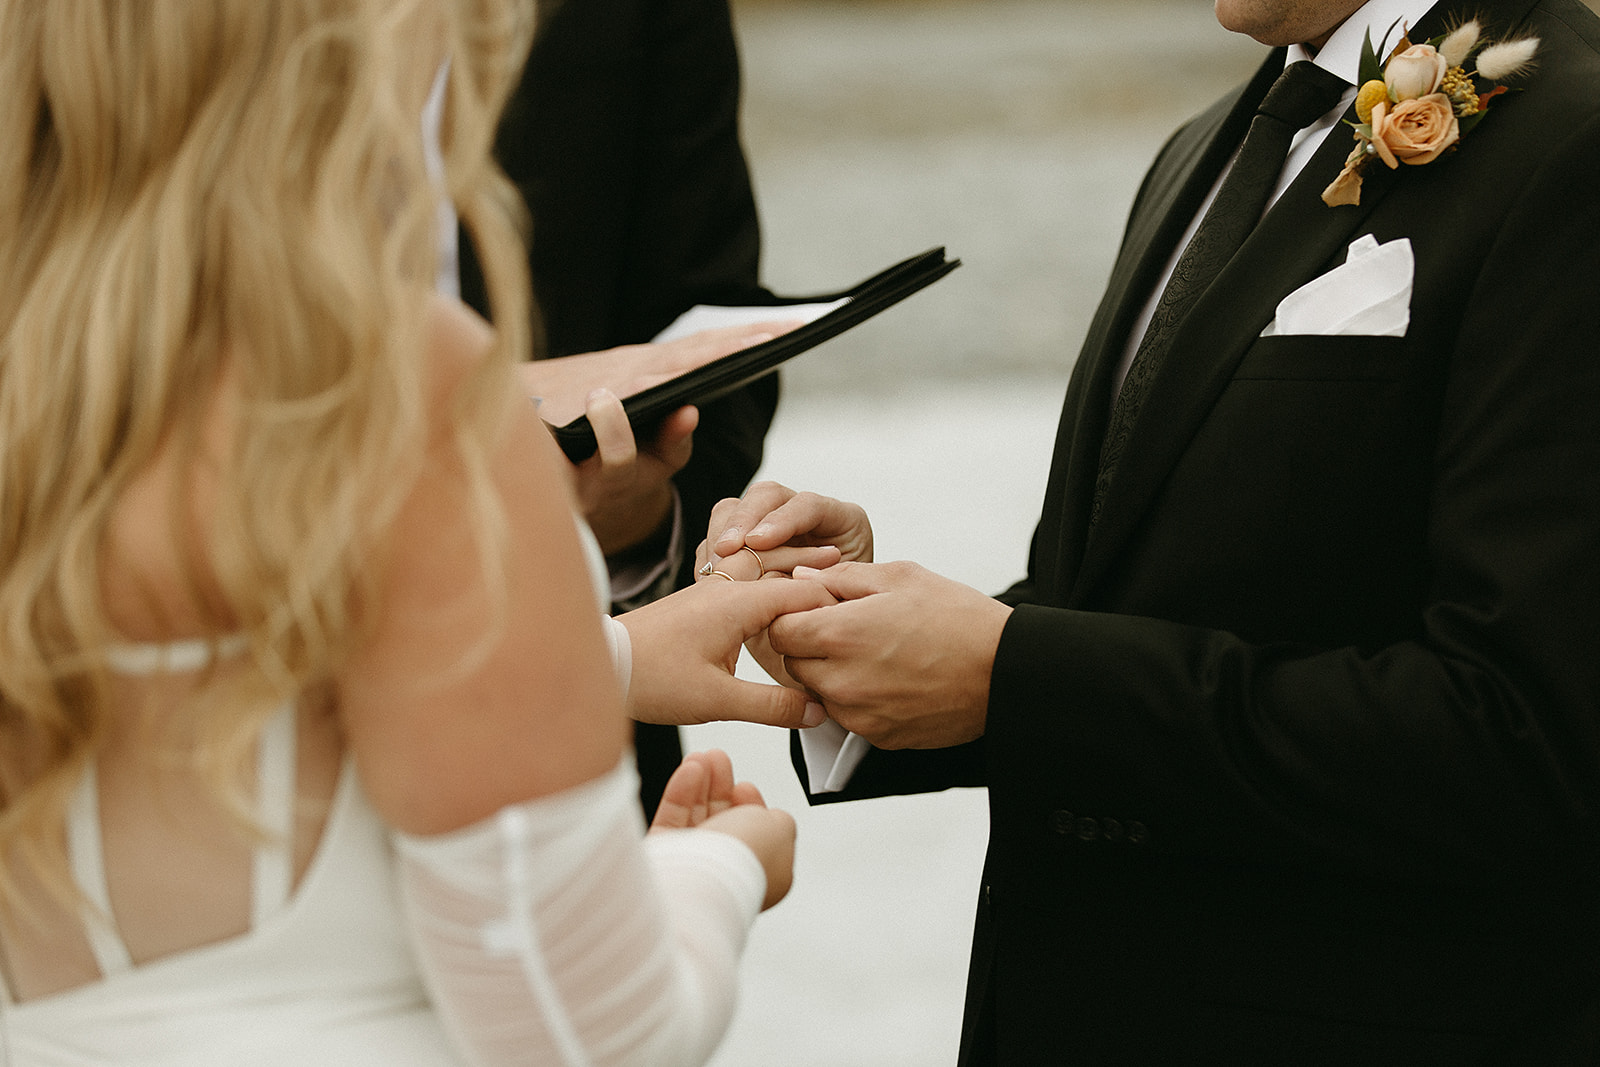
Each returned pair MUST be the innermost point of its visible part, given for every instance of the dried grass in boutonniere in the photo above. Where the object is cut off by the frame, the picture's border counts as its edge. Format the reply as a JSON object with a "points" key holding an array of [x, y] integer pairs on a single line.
{"points": [[1417, 105]]}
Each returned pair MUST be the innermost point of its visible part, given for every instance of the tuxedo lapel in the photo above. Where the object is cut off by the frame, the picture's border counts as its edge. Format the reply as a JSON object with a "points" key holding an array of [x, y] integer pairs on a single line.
{"points": [[1296, 240], [1170, 197]]}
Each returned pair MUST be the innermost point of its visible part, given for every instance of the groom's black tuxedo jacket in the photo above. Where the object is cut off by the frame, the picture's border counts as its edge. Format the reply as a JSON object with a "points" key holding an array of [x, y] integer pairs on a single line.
{"points": [[1294, 755], [623, 137]]}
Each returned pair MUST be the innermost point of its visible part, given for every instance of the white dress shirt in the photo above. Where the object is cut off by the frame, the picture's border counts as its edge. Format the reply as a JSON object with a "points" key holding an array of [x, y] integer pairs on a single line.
{"points": [[1340, 56]]}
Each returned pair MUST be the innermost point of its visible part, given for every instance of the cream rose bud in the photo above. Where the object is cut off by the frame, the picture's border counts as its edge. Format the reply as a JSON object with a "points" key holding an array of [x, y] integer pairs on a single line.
{"points": [[1415, 72], [1414, 131]]}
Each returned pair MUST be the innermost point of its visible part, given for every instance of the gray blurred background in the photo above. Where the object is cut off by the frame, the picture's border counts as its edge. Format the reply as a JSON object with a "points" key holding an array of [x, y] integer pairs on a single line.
{"points": [[1014, 133]]}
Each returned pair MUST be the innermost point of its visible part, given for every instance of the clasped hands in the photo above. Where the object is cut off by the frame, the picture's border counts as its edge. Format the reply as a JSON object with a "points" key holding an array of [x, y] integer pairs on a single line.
{"points": [[893, 652]]}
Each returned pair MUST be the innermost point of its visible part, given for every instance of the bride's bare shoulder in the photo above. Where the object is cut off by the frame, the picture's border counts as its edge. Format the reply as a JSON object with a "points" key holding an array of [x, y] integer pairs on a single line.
{"points": [[457, 337], [154, 583], [151, 588]]}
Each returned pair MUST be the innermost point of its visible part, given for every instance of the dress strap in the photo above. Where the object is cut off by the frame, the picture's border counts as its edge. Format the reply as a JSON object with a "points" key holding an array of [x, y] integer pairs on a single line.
{"points": [[272, 870], [85, 854], [173, 657]]}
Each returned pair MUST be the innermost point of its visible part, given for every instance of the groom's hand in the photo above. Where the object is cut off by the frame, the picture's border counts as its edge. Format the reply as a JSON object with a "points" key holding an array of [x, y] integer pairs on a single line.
{"points": [[903, 660], [686, 646], [770, 515]]}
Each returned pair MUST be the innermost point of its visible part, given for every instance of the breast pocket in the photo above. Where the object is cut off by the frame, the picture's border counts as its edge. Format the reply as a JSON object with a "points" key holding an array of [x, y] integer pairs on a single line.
{"points": [[1317, 358]]}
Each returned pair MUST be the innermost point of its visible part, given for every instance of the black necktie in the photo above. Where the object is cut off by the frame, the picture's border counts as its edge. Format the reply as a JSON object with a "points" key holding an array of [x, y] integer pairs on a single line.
{"points": [[1303, 93]]}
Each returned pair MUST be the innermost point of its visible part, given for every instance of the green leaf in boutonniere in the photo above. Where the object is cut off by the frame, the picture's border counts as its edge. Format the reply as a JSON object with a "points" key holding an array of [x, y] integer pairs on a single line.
{"points": [[1371, 69], [1415, 106]]}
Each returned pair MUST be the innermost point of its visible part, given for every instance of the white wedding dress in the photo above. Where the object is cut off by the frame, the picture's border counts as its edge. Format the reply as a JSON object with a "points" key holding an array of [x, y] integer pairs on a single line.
{"points": [[550, 933]]}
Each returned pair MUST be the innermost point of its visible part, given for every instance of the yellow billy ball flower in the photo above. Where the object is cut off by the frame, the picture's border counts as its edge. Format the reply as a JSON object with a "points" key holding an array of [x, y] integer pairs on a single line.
{"points": [[1371, 94]]}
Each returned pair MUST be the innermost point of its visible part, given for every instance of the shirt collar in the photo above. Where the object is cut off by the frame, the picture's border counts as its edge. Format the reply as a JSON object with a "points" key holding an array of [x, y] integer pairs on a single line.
{"points": [[1342, 54]]}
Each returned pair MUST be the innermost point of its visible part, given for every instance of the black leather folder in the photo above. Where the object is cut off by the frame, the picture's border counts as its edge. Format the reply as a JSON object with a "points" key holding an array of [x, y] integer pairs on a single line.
{"points": [[647, 408]]}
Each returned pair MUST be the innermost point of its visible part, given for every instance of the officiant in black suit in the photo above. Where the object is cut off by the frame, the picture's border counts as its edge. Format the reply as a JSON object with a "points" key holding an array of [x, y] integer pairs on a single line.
{"points": [[1292, 732], [623, 137]]}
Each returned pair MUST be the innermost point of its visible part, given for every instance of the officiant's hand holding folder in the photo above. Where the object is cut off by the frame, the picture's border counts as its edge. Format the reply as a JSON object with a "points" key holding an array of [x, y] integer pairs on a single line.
{"points": [[828, 316]]}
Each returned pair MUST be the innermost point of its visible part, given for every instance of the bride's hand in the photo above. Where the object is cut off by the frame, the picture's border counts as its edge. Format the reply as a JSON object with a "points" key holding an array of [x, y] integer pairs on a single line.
{"points": [[702, 786], [685, 648], [702, 793], [769, 833], [748, 565]]}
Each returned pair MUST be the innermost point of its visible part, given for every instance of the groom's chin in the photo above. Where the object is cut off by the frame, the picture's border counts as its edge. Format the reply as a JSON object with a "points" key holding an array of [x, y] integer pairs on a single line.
{"points": [[1279, 23]]}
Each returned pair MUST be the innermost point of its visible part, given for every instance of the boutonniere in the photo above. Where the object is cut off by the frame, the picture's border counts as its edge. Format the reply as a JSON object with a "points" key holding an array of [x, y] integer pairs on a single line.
{"points": [[1417, 105]]}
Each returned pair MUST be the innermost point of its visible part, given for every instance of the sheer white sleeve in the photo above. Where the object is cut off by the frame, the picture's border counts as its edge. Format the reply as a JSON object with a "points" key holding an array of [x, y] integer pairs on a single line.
{"points": [[551, 933]]}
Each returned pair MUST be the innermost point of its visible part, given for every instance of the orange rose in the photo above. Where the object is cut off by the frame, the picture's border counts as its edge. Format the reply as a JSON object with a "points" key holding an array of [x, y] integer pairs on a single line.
{"points": [[1414, 131]]}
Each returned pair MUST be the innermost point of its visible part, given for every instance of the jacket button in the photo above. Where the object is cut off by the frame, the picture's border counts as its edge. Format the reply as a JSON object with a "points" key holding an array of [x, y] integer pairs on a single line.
{"points": [[1088, 829], [1061, 822], [1112, 828], [1137, 834]]}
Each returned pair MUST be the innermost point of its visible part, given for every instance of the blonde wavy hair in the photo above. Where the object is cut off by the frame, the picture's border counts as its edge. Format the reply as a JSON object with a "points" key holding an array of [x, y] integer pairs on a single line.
{"points": [[204, 192]]}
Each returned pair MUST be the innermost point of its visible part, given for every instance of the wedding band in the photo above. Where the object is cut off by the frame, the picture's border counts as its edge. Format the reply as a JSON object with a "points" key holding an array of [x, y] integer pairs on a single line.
{"points": [[723, 574], [761, 568]]}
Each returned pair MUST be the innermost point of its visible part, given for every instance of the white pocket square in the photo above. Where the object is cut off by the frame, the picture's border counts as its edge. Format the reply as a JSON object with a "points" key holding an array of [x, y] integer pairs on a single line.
{"points": [[1369, 295], [832, 754]]}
